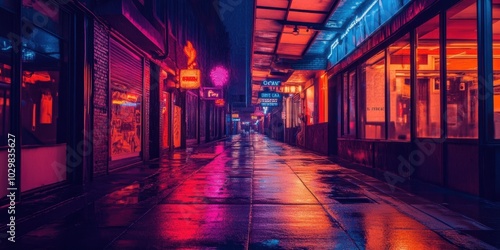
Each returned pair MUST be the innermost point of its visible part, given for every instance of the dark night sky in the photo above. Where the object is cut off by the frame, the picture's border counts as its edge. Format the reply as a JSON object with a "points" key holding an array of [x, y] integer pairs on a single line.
{"points": [[237, 15]]}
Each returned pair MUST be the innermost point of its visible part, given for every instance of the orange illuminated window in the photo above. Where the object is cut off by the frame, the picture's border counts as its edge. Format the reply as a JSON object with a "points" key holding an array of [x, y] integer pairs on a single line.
{"points": [[496, 66], [323, 99], [372, 98]]}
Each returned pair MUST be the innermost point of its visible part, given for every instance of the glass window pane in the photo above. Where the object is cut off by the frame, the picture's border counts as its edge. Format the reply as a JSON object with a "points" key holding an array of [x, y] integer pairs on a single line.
{"points": [[352, 103], [125, 124], [496, 66], [345, 106], [5, 78], [310, 105], [399, 89], [372, 98], [323, 99], [428, 86], [461, 64], [40, 88]]}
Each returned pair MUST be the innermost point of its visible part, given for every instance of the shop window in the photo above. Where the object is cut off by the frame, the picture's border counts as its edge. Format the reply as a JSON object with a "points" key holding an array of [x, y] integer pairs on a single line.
{"points": [[496, 66], [323, 99], [41, 83], [165, 111], [399, 89], [372, 98], [125, 124], [345, 104], [296, 111], [191, 115], [5, 84], [349, 103], [461, 64], [428, 86], [310, 111]]}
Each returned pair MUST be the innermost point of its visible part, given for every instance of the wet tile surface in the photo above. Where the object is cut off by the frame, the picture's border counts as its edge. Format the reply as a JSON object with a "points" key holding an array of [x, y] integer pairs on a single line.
{"points": [[255, 193]]}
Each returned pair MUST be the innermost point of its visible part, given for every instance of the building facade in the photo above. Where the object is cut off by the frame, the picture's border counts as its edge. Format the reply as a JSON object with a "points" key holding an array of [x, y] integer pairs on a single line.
{"points": [[410, 89], [89, 87]]}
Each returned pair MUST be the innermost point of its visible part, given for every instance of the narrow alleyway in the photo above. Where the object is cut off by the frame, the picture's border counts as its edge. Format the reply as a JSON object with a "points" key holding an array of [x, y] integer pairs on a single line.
{"points": [[253, 192]]}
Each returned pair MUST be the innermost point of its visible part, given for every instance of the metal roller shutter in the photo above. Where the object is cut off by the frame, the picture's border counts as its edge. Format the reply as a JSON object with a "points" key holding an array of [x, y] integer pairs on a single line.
{"points": [[126, 68]]}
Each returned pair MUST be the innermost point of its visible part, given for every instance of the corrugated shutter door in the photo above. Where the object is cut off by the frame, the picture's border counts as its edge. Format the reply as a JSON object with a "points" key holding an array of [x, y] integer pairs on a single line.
{"points": [[126, 68]]}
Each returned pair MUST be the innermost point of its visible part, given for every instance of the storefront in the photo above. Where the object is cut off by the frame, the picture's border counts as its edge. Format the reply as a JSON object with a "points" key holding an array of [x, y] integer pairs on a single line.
{"points": [[410, 95], [35, 103], [126, 75]]}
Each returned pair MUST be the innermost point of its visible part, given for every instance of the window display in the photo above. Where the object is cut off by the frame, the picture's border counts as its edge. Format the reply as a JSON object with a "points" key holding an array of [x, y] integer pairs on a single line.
{"points": [[496, 67], [461, 64], [310, 112], [428, 86], [372, 98], [40, 88], [125, 124], [399, 89]]}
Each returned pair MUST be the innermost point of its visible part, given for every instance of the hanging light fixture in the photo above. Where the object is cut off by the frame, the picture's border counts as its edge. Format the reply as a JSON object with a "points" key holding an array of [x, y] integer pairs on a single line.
{"points": [[295, 30]]}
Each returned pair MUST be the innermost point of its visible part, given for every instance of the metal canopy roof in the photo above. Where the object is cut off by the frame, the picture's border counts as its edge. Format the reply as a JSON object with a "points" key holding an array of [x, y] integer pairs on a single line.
{"points": [[276, 46]]}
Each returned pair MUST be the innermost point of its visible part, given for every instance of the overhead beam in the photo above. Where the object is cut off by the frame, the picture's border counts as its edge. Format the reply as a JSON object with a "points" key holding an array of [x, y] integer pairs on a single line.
{"points": [[294, 10]]}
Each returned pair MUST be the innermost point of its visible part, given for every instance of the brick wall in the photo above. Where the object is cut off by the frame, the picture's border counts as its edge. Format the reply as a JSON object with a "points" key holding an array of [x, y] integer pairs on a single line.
{"points": [[311, 63], [147, 112], [100, 99]]}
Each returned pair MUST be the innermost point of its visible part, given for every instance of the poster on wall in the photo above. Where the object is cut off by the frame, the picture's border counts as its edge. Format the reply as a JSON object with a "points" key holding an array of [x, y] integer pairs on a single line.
{"points": [[125, 125]]}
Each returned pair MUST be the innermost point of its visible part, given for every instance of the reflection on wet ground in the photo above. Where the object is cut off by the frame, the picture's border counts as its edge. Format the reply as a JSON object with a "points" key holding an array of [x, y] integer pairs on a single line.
{"points": [[252, 192]]}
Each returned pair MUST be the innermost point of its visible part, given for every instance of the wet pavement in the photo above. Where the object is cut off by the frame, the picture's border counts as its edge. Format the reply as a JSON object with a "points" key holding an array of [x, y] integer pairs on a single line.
{"points": [[255, 193]]}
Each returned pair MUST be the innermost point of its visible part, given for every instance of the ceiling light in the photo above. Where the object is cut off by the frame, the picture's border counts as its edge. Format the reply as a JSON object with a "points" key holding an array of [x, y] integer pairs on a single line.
{"points": [[296, 30]]}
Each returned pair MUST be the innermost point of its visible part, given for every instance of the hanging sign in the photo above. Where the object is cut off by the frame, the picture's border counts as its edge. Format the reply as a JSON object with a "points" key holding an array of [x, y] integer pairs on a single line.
{"points": [[190, 78], [271, 83], [270, 95], [211, 93]]}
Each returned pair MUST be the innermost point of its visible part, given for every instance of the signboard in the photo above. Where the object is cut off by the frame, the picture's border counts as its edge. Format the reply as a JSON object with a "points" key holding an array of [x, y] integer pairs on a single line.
{"points": [[236, 119], [270, 95], [254, 117], [190, 78], [271, 83], [235, 115], [270, 99], [211, 93], [220, 102], [270, 102]]}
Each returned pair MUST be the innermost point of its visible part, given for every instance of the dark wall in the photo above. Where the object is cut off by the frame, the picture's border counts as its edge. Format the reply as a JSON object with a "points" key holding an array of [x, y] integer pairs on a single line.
{"points": [[317, 138]]}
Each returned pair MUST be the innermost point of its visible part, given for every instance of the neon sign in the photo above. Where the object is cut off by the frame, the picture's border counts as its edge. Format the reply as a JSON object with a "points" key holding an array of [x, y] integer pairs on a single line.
{"points": [[351, 26], [190, 78], [219, 76], [211, 93], [271, 83]]}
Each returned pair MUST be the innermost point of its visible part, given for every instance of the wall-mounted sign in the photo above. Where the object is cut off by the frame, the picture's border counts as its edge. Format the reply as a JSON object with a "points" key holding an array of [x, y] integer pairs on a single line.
{"points": [[211, 93], [270, 95], [235, 115], [270, 102], [236, 119], [271, 83], [220, 102], [190, 78], [254, 117]]}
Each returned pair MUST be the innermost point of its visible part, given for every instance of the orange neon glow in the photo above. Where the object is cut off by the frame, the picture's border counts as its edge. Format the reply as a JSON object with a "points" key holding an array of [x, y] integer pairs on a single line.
{"points": [[323, 99]]}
